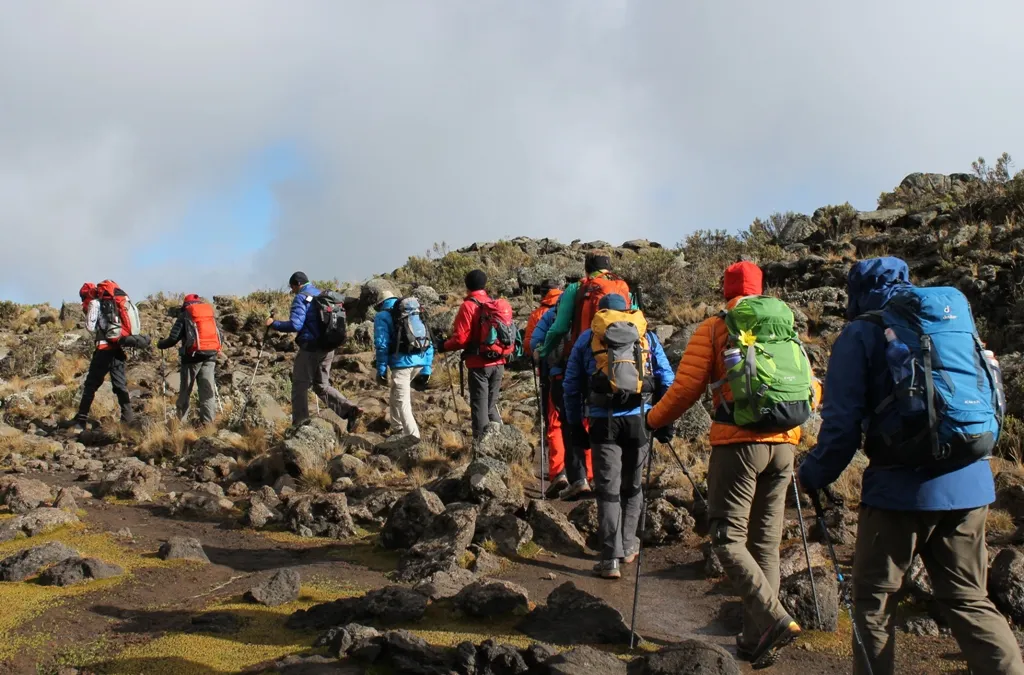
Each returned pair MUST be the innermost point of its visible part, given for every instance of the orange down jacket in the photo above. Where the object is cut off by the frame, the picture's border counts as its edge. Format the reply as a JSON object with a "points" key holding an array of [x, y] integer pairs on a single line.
{"points": [[549, 301], [700, 366]]}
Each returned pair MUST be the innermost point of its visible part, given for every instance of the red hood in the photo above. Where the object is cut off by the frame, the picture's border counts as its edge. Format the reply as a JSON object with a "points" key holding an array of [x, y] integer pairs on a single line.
{"points": [[480, 295], [551, 299], [192, 297], [741, 279]]}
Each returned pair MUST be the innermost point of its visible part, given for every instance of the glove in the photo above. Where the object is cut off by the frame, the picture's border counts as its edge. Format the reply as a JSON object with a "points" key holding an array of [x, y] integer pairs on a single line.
{"points": [[664, 434], [419, 383], [439, 344], [382, 379]]}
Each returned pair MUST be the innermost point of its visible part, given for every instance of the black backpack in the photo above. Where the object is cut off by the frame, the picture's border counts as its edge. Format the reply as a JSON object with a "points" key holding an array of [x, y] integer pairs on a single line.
{"points": [[411, 335], [330, 310]]}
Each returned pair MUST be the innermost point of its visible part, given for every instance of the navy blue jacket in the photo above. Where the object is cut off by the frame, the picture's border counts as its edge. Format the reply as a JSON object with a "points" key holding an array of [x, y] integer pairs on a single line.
{"points": [[540, 332], [383, 324], [301, 320], [858, 380], [582, 365]]}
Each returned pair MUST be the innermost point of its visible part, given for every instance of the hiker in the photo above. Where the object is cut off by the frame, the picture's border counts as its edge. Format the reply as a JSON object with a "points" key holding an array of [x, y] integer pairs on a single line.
{"points": [[614, 370], [111, 317], [576, 307], [551, 290], [753, 445], [482, 331], [313, 361], [200, 338], [403, 346], [910, 502]]}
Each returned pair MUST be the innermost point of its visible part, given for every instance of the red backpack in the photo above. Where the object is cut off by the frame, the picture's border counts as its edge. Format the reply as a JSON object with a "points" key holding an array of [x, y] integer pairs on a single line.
{"points": [[202, 337], [496, 329], [118, 311], [589, 295]]}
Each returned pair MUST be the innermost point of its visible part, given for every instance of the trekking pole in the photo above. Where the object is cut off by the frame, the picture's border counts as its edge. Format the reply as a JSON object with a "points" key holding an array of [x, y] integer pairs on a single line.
{"points": [[540, 420], [820, 513], [686, 472], [640, 534], [451, 385], [807, 553], [256, 368], [163, 385]]}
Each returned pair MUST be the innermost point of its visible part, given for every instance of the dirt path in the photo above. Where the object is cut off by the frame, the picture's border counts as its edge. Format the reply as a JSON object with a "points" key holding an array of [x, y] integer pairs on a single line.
{"points": [[676, 602]]}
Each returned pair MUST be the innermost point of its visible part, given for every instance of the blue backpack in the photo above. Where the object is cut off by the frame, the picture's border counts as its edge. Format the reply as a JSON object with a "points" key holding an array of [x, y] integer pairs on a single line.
{"points": [[947, 403], [411, 335]]}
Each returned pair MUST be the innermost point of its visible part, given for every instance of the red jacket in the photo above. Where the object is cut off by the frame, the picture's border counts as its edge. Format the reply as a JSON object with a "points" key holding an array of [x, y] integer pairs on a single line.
{"points": [[464, 331]]}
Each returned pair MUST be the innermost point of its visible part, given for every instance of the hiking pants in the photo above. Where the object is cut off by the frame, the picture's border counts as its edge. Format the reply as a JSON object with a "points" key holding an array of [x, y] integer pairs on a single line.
{"points": [[203, 374], [400, 405], [553, 430], [952, 546], [484, 389], [747, 485], [620, 454], [578, 461], [107, 361], [313, 369]]}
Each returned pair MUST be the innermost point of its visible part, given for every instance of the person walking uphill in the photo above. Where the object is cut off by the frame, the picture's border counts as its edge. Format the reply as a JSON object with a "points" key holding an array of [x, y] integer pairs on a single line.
{"points": [[753, 439], [114, 322], [200, 338], [551, 290], [481, 330], [312, 366], [614, 370], [910, 502], [403, 346]]}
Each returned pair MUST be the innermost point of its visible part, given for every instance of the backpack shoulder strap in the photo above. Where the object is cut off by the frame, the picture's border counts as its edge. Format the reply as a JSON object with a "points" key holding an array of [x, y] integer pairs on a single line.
{"points": [[874, 317]]}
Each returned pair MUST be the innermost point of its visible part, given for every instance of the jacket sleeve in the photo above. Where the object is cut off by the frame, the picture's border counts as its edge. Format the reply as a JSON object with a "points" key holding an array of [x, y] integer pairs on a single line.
{"points": [[296, 318], [428, 361], [572, 383], [691, 380], [563, 320], [541, 329], [92, 316], [462, 329], [663, 375], [382, 340], [174, 336], [843, 410]]}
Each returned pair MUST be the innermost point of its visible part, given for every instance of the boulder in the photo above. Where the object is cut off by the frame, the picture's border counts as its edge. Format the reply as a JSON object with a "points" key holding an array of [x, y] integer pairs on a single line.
{"points": [[281, 588], [695, 424], [584, 517], [182, 548], [323, 515], [339, 640], [508, 533], [71, 571], [35, 522], [390, 604], [131, 479], [1010, 493], [21, 495], [260, 515], [795, 595], [793, 559], [689, 657], [666, 524], [256, 411], [309, 446], [442, 545], [490, 657], [201, 505], [409, 517], [484, 480], [573, 616], [1006, 583], [490, 598], [445, 583], [66, 501], [585, 661], [346, 466], [266, 495], [503, 441], [712, 565], [31, 561], [552, 530]]}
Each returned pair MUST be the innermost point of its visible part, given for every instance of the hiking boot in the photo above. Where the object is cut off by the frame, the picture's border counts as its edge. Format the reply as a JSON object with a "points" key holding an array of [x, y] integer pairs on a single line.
{"points": [[631, 556], [574, 491], [608, 569], [744, 650], [558, 483], [771, 643], [353, 414]]}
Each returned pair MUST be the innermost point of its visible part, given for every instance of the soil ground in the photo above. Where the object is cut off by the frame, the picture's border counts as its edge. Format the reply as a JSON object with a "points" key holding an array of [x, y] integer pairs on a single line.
{"points": [[140, 623]]}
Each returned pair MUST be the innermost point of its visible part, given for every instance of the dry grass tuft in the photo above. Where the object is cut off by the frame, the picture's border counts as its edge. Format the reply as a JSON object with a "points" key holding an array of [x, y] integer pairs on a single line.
{"points": [[170, 440], [67, 369], [314, 480], [1000, 522]]}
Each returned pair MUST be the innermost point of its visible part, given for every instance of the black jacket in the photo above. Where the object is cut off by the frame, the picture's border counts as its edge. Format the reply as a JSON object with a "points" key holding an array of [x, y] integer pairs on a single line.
{"points": [[177, 335]]}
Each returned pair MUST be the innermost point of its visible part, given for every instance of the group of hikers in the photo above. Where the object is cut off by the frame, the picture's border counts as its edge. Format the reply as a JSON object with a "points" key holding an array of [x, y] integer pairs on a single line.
{"points": [[909, 381]]}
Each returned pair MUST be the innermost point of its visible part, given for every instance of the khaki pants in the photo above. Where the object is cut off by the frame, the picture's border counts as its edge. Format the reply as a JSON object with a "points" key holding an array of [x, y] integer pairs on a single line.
{"points": [[203, 374], [747, 487], [312, 369], [952, 546], [402, 421]]}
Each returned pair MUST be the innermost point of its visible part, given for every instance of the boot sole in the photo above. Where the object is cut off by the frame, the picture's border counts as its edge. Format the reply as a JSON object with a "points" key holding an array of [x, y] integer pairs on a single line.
{"points": [[769, 658]]}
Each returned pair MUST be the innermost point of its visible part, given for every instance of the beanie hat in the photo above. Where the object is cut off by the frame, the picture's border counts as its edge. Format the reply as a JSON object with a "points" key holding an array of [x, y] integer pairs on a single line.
{"points": [[614, 302], [191, 297], [298, 279], [741, 279], [597, 260], [551, 285], [476, 280]]}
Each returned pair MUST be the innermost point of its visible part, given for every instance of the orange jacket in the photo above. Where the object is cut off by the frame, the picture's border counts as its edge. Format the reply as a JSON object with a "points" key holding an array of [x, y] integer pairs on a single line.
{"points": [[549, 301], [702, 365]]}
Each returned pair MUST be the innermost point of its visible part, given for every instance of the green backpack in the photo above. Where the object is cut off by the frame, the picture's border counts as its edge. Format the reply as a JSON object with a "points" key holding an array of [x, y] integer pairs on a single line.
{"points": [[766, 367]]}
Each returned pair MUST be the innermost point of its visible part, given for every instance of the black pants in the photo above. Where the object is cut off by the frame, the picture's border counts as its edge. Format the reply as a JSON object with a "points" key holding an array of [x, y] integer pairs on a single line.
{"points": [[620, 448], [484, 388], [107, 361], [575, 456]]}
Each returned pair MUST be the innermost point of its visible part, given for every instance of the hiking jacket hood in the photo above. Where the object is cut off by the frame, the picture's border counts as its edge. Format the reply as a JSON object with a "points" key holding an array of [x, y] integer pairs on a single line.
{"points": [[464, 329], [301, 320], [858, 380], [582, 365], [550, 300], [383, 330]]}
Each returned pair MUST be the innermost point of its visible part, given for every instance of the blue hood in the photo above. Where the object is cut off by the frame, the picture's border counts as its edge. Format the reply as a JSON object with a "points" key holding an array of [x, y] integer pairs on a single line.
{"points": [[872, 282]]}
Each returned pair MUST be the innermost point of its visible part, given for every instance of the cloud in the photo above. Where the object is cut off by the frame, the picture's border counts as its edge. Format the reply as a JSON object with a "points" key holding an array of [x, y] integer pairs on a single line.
{"points": [[134, 136]]}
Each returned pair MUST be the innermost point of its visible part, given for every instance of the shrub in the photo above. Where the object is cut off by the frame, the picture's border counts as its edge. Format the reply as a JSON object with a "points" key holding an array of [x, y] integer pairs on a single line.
{"points": [[836, 221], [9, 311], [658, 272]]}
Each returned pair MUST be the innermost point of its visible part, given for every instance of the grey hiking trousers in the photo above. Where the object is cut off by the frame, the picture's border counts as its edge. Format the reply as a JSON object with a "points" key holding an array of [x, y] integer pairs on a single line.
{"points": [[484, 389], [201, 373], [619, 457], [312, 369]]}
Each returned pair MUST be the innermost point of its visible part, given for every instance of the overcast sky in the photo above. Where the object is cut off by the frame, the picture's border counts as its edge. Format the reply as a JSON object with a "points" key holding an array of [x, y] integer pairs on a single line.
{"points": [[215, 147]]}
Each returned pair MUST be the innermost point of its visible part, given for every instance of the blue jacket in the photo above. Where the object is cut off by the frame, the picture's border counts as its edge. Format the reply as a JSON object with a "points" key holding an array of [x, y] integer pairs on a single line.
{"points": [[537, 339], [301, 320], [383, 325], [582, 365], [858, 380]]}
